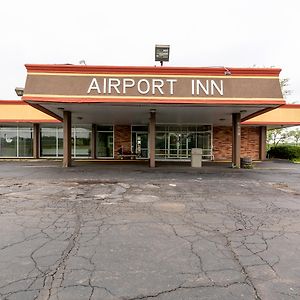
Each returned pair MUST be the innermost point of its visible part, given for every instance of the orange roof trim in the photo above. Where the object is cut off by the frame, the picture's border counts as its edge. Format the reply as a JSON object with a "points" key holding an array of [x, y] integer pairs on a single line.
{"points": [[297, 106], [150, 100], [220, 71], [14, 102]]}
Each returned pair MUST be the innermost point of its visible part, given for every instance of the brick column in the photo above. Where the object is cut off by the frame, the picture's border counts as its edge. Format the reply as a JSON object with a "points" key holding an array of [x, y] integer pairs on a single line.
{"points": [[152, 123], [36, 140], [262, 142], [236, 140], [67, 159], [94, 141]]}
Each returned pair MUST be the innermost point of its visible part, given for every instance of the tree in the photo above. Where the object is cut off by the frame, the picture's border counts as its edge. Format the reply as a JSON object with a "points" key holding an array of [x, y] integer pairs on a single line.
{"points": [[280, 135], [276, 136], [284, 83], [295, 135]]}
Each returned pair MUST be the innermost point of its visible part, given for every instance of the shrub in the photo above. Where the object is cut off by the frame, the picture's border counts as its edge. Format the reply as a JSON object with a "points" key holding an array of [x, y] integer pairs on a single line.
{"points": [[285, 152]]}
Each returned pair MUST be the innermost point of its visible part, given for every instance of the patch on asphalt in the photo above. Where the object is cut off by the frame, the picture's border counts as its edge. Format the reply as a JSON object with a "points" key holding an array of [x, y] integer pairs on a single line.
{"points": [[280, 185], [169, 206], [284, 188], [142, 198], [82, 182]]}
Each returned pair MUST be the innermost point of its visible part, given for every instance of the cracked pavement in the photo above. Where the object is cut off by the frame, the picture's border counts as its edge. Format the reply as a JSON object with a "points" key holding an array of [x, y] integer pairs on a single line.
{"points": [[112, 231]]}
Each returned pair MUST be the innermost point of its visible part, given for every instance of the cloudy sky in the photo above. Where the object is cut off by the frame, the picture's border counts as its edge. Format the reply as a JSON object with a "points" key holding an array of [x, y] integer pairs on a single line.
{"points": [[231, 33]]}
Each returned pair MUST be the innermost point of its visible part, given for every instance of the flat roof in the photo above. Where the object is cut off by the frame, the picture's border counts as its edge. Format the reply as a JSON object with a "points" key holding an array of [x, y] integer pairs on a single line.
{"points": [[17, 111], [285, 115]]}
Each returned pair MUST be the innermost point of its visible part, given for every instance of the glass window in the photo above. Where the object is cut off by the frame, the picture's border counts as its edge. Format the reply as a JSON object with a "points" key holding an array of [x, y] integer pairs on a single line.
{"points": [[60, 142], [105, 128], [140, 128], [192, 142], [204, 140], [161, 128], [177, 141], [175, 128], [8, 144], [139, 140], [204, 128], [192, 128], [139, 144], [25, 142], [105, 141], [52, 141], [82, 138], [16, 141], [160, 145], [105, 144], [49, 141]]}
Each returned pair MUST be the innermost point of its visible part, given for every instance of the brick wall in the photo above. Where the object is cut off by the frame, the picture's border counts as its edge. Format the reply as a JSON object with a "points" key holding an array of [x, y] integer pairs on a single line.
{"points": [[122, 135], [250, 142], [222, 142]]}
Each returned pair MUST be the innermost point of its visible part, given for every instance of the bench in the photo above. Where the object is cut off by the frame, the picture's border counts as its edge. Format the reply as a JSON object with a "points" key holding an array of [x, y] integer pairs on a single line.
{"points": [[128, 155]]}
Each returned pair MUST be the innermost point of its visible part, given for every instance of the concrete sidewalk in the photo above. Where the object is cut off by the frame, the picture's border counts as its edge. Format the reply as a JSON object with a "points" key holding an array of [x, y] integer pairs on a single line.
{"points": [[124, 231]]}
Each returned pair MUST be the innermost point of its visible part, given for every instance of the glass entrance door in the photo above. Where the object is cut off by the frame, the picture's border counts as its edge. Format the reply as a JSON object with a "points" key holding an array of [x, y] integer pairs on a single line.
{"points": [[140, 144], [177, 145], [176, 142]]}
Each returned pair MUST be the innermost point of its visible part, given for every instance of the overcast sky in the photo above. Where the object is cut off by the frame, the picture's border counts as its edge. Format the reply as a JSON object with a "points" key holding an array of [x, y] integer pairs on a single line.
{"points": [[231, 33]]}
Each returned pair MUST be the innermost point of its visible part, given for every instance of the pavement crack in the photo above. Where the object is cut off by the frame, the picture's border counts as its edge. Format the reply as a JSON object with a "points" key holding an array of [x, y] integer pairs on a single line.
{"points": [[248, 278], [54, 278]]}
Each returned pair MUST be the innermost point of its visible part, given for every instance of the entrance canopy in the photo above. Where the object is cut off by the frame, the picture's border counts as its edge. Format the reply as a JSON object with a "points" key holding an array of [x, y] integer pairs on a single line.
{"points": [[125, 95]]}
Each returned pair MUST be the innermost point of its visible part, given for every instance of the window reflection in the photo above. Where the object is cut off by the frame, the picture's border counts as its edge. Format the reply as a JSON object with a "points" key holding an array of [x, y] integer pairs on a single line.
{"points": [[176, 142], [16, 141], [105, 142], [52, 141]]}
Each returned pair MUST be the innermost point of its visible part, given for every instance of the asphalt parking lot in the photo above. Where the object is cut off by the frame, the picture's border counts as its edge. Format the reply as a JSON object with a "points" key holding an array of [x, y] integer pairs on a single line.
{"points": [[124, 231]]}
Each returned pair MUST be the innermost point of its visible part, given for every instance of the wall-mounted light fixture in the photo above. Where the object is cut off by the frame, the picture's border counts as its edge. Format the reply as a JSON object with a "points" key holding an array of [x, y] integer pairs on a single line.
{"points": [[19, 91], [162, 53]]}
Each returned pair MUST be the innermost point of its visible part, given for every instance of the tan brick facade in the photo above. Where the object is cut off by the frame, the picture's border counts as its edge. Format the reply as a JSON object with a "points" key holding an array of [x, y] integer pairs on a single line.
{"points": [[122, 135], [222, 142], [250, 142]]}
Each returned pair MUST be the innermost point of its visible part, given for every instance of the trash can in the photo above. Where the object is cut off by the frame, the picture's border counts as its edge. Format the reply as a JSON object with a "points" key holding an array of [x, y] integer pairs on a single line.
{"points": [[246, 162], [196, 159]]}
